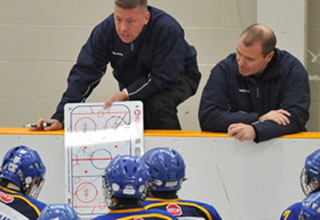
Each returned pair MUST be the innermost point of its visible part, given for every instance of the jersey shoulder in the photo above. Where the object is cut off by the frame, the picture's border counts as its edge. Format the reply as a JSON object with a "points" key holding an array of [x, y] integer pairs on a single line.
{"points": [[292, 212]]}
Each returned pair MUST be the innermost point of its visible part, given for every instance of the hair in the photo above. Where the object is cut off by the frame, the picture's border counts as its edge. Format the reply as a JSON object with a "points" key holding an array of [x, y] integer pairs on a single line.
{"points": [[260, 33], [126, 201], [163, 194], [128, 4]]}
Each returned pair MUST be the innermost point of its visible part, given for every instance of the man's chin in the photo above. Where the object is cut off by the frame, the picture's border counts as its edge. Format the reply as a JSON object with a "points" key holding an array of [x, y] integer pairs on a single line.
{"points": [[125, 40], [244, 73]]}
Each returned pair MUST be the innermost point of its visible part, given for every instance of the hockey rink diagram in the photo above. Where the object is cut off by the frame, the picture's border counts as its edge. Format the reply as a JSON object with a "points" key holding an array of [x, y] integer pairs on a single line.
{"points": [[94, 136]]}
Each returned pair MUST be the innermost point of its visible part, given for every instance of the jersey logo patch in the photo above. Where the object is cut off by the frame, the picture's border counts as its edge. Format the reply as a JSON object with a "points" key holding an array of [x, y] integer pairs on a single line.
{"points": [[6, 198], [138, 218], [174, 209]]}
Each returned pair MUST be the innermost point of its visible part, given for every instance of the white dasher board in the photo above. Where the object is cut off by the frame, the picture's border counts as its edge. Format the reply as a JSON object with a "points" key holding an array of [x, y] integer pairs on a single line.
{"points": [[93, 137]]}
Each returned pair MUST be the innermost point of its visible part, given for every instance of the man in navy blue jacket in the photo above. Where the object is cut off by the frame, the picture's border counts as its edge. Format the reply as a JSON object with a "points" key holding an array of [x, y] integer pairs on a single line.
{"points": [[150, 58], [257, 93]]}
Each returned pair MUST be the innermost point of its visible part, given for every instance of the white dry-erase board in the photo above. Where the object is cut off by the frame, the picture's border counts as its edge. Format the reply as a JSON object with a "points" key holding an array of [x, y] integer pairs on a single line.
{"points": [[93, 137]]}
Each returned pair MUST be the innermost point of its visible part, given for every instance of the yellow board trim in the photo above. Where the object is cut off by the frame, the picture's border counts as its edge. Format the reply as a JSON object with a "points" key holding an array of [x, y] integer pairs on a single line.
{"points": [[157, 133]]}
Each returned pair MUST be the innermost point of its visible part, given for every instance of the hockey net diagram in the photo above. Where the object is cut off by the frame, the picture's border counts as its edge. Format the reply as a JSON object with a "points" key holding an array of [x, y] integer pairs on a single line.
{"points": [[93, 137]]}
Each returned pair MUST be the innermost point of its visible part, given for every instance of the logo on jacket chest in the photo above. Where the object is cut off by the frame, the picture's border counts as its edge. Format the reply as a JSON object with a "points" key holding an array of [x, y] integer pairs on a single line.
{"points": [[6, 198], [174, 209], [244, 90], [117, 53]]}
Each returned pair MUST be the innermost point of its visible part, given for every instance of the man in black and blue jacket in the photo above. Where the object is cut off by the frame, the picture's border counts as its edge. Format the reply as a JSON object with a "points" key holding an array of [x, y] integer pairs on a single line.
{"points": [[257, 93], [151, 61]]}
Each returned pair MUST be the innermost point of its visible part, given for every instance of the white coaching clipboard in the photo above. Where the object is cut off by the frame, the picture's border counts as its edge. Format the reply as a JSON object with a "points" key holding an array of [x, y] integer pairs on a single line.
{"points": [[93, 136]]}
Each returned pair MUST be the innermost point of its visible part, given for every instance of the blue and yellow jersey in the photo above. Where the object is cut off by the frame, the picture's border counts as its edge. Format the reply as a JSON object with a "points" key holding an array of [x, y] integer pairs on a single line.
{"points": [[27, 206], [183, 209], [292, 213], [138, 213]]}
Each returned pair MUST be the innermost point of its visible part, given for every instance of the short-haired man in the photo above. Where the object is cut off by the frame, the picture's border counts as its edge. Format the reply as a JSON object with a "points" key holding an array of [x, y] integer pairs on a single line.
{"points": [[257, 93], [151, 61]]}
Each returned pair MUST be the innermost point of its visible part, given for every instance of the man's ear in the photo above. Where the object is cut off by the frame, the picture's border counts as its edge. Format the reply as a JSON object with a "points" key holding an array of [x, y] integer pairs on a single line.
{"points": [[147, 17], [270, 55]]}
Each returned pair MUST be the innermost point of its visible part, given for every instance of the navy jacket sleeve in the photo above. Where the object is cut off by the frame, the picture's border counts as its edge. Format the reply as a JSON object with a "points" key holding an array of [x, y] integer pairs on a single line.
{"points": [[86, 74], [296, 100], [215, 108]]}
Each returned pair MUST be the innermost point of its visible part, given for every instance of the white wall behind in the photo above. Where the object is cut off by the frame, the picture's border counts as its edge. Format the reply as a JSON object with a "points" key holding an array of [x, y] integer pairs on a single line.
{"points": [[40, 41], [287, 19]]}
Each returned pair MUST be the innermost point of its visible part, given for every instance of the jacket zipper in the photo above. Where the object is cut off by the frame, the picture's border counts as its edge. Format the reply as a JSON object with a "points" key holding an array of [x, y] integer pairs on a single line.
{"points": [[258, 89]]}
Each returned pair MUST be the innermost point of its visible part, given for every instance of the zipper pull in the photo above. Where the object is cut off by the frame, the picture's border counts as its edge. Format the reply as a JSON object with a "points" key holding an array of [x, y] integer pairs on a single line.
{"points": [[132, 46], [258, 87]]}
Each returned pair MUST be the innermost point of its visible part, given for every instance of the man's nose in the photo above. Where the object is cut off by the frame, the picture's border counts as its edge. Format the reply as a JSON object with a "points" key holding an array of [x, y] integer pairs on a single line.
{"points": [[123, 27], [241, 62]]}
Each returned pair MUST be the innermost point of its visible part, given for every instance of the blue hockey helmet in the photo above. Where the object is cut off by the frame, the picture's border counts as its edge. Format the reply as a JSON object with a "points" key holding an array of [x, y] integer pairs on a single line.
{"points": [[311, 207], [166, 169], [310, 175], [125, 176], [23, 167], [58, 212]]}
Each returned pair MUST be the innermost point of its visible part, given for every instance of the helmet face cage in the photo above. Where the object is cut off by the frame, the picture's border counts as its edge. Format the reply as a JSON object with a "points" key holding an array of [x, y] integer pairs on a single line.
{"points": [[23, 167], [58, 211], [107, 191], [310, 175], [304, 182], [310, 207], [125, 176], [36, 188], [166, 169]]}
